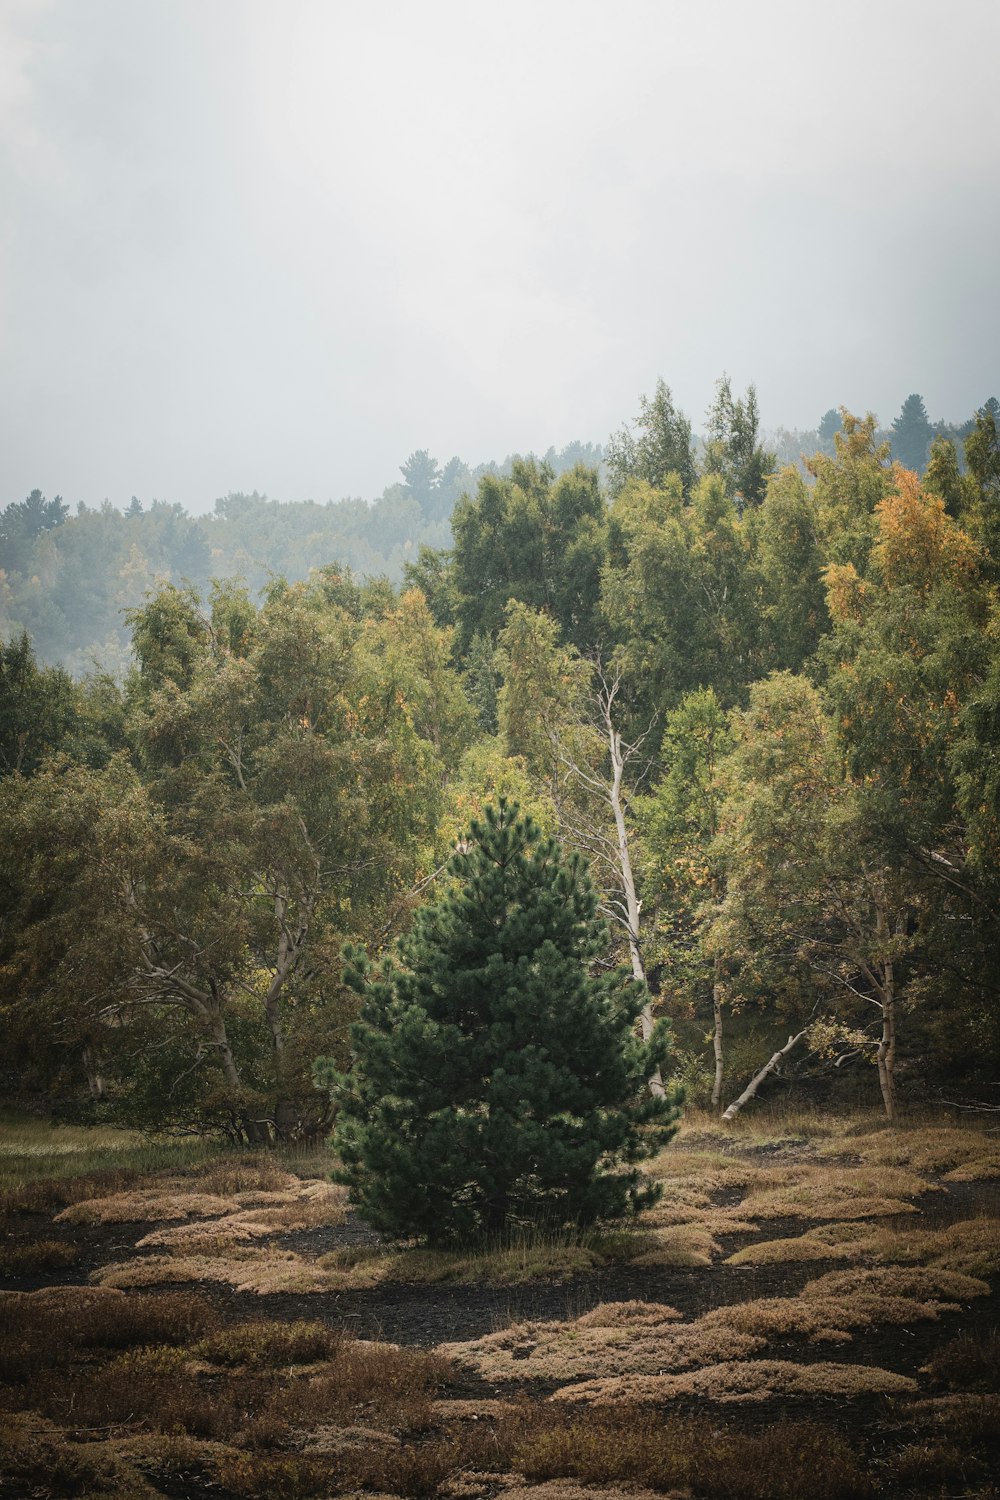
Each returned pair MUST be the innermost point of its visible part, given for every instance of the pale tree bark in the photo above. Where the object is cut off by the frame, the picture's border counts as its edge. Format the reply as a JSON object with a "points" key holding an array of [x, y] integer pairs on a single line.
{"points": [[886, 1054], [625, 907], [95, 1077], [717, 1033], [758, 1078]]}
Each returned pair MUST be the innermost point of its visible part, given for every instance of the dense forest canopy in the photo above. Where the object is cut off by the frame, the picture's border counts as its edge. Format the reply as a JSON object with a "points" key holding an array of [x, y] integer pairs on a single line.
{"points": [[68, 572], [761, 698]]}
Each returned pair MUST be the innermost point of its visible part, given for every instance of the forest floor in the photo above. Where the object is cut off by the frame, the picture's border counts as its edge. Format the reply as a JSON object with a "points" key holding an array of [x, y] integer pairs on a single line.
{"points": [[811, 1310]]}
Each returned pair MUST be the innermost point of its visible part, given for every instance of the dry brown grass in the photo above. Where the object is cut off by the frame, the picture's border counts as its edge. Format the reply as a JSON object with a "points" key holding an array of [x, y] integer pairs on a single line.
{"points": [[923, 1283], [46, 1329], [129, 1393], [624, 1445], [232, 1175], [261, 1270], [37, 1459], [312, 1212], [645, 1339], [669, 1213], [971, 1246], [268, 1344], [965, 1417], [970, 1362], [147, 1204], [827, 1192], [630, 1315], [572, 1489], [538, 1258], [603, 1342], [292, 1204], [831, 1307], [745, 1380], [959, 1153], [694, 1175]]}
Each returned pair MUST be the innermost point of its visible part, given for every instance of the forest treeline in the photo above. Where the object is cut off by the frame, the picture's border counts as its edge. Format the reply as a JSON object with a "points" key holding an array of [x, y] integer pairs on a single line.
{"points": [[68, 578], [69, 572], [763, 701]]}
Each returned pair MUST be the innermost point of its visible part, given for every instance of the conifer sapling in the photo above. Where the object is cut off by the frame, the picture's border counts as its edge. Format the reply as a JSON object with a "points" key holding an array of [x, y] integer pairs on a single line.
{"points": [[497, 1081]]}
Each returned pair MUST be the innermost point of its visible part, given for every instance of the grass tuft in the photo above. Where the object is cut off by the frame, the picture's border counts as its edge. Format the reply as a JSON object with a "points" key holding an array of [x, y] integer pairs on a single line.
{"points": [[30, 1257]]}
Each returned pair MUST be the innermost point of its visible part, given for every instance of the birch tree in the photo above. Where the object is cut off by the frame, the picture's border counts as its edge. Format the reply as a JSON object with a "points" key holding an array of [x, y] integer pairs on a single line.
{"points": [[811, 895], [284, 786]]}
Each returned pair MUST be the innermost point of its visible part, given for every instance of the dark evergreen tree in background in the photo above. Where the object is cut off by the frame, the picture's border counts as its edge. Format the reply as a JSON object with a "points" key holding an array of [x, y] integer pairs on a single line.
{"points": [[496, 1083], [830, 424], [912, 434], [23, 522]]}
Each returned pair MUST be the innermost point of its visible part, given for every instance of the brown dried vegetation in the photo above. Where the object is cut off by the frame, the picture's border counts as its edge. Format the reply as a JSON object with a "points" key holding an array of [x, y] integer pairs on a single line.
{"points": [[140, 1393], [649, 1340]]}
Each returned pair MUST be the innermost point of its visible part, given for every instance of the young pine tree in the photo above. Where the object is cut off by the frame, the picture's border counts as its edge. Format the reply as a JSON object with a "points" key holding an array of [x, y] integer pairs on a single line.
{"points": [[496, 1082]]}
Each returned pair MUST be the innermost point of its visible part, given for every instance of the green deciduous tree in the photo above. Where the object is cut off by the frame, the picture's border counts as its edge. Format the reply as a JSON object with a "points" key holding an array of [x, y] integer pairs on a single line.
{"points": [[812, 893], [789, 556], [283, 795], [733, 448], [655, 446], [683, 875], [849, 485], [680, 593], [37, 707], [534, 538], [982, 452], [496, 1082]]}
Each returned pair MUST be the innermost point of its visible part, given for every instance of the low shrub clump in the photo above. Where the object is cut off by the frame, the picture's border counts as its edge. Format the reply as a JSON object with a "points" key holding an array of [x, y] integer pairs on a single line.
{"points": [[44, 1329], [970, 1362], [266, 1344], [650, 1339], [32, 1256], [971, 1246], [635, 1446]]}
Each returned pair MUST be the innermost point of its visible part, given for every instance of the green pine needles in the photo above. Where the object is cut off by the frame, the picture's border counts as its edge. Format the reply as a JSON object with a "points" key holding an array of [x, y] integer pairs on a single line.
{"points": [[498, 1083]]}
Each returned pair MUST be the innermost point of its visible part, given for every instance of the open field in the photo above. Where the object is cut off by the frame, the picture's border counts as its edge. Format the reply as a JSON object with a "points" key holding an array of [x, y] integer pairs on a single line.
{"points": [[811, 1310]]}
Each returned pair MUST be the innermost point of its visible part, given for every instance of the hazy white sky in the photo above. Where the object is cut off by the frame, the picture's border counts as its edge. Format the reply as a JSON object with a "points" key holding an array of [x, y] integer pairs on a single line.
{"points": [[278, 244]]}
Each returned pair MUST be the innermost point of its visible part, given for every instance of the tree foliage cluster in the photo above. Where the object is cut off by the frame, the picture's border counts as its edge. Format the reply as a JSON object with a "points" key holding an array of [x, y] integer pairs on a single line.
{"points": [[762, 703]]}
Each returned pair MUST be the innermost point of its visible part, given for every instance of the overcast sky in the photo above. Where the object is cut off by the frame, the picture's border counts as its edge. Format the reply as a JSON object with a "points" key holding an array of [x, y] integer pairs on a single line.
{"points": [[279, 244]]}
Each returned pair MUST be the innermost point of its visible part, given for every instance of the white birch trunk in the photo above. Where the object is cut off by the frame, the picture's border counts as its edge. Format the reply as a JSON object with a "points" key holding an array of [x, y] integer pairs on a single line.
{"points": [[886, 1055], [633, 906], [717, 1035], [758, 1078]]}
